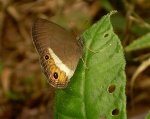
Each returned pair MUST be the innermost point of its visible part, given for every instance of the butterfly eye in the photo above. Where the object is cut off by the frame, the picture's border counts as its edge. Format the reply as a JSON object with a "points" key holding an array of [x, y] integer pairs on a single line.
{"points": [[55, 75], [46, 57]]}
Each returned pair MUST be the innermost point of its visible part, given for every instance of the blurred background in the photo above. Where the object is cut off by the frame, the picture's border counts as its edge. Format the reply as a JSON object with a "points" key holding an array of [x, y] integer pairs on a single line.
{"points": [[24, 92]]}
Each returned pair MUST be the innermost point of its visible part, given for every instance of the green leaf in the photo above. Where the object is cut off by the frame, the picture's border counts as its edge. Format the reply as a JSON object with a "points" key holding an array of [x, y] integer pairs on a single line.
{"points": [[141, 43], [148, 116], [99, 91]]}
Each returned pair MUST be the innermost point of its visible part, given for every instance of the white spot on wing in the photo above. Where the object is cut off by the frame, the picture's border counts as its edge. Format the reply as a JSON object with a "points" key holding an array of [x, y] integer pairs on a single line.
{"points": [[59, 64]]}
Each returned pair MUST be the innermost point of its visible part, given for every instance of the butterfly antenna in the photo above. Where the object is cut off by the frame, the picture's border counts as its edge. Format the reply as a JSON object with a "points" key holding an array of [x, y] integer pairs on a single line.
{"points": [[73, 28], [86, 22], [84, 25]]}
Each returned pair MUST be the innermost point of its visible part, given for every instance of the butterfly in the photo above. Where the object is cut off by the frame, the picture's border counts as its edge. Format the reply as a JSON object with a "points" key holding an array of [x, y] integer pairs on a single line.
{"points": [[59, 51]]}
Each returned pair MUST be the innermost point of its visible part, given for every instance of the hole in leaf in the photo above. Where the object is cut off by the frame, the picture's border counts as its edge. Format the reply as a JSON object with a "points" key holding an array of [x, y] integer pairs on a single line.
{"points": [[115, 112], [111, 88], [106, 35], [103, 116]]}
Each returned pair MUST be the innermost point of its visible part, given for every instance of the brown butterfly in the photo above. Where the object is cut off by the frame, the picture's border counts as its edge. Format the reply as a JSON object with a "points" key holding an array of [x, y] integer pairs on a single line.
{"points": [[59, 51]]}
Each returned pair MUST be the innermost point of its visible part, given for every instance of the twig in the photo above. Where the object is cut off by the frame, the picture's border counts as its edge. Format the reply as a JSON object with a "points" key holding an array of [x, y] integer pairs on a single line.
{"points": [[140, 69]]}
